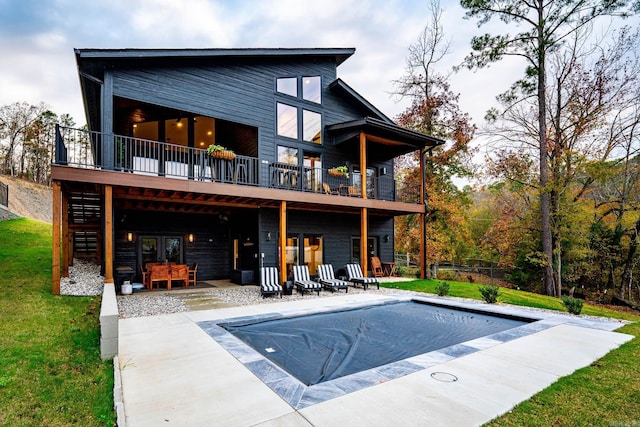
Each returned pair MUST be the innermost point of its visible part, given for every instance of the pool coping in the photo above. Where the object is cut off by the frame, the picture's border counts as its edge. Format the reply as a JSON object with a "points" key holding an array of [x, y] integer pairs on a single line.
{"points": [[300, 396]]}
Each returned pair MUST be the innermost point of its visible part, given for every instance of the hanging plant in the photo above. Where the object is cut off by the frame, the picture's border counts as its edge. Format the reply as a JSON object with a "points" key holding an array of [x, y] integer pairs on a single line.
{"points": [[339, 171], [220, 152]]}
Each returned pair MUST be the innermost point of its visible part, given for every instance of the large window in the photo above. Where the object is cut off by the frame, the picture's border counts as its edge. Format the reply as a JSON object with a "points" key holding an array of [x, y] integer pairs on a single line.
{"points": [[311, 126], [287, 155], [288, 86], [295, 121], [311, 89], [287, 121]]}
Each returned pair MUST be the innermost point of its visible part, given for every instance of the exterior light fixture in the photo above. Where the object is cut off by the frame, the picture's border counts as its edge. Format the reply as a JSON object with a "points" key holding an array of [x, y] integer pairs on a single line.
{"points": [[129, 237], [191, 237], [268, 236]]}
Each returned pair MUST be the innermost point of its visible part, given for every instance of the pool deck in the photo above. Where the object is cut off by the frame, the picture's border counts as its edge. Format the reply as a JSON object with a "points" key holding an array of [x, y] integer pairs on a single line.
{"points": [[173, 373]]}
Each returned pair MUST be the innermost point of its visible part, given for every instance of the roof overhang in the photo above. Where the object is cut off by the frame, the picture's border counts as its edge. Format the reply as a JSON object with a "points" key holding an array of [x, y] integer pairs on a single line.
{"points": [[393, 140], [92, 63]]}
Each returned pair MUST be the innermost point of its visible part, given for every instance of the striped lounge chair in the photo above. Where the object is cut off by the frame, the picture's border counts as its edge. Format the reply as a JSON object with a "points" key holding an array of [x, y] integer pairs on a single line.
{"points": [[269, 282], [303, 282], [355, 276], [328, 280]]}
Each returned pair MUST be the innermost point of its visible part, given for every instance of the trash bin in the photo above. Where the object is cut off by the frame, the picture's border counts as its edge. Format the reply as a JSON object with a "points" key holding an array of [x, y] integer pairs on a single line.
{"points": [[288, 287]]}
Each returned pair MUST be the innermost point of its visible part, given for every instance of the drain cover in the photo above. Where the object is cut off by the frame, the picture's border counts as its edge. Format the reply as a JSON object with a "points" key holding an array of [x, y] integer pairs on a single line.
{"points": [[445, 377]]}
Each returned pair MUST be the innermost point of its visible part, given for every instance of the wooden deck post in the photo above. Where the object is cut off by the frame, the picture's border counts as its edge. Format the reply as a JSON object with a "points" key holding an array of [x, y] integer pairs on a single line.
{"points": [[363, 165], [423, 228], [282, 242], [364, 242], [55, 237], [65, 235], [108, 234]]}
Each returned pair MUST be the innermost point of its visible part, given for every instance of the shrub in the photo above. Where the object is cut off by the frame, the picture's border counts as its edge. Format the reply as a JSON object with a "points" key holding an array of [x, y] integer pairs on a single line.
{"points": [[442, 288], [573, 305], [489, 293]]}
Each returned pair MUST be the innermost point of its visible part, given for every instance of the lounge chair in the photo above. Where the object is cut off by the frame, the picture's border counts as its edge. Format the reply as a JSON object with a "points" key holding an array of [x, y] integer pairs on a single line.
{"points": [[355, 276], [328, 280], [269, 282], [376, 267], [303, 282]]}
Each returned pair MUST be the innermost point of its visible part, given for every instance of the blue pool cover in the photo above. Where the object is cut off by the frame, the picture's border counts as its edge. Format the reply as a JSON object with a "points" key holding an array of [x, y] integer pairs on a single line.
{"points": [[325, 346]]}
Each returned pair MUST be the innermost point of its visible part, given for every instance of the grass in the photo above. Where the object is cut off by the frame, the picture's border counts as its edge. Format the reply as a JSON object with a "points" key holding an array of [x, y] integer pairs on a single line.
{"points": [[50, 368], [606, 393]]}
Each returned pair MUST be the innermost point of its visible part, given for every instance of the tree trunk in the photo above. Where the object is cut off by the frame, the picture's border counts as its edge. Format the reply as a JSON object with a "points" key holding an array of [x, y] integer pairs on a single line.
{"points": [[625, 278], [545, 206]]}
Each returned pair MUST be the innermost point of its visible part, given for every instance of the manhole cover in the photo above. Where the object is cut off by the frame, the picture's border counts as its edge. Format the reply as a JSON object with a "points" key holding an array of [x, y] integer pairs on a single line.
{"points": [[445, 377]]}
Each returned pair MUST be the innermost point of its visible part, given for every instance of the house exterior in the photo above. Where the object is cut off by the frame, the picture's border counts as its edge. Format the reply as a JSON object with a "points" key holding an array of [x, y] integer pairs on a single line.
{"points": [[141, 185]]}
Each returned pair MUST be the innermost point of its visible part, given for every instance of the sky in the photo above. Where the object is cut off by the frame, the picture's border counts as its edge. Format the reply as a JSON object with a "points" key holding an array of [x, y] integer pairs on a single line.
{"points": [[37, 39]]}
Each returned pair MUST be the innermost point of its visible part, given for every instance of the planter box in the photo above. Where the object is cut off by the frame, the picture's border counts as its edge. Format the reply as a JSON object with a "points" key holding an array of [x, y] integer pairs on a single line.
{"points": [[243, 277]]}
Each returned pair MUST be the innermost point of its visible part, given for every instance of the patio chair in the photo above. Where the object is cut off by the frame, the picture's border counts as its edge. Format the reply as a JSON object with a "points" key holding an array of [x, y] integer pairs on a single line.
{"points": [[327, 189], [376, 267], [180, 272], [269, 282], [193, 274], [303, 282], [144, 276], [355, 276], [328, 280], [159, 273]]}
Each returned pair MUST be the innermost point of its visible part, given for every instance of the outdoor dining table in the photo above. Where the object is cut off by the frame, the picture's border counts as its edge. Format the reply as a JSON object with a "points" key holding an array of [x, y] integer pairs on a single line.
{"points": [[389, 269]]}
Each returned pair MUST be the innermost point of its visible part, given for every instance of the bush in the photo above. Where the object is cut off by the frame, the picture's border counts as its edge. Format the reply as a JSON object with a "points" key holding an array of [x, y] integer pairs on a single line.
{"points": [[489, 293], [442, 288], [573, 305]]}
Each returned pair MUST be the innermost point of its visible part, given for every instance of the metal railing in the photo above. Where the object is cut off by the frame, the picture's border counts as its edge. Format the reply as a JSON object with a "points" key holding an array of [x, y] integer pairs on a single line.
{"points": [[86, 149]]}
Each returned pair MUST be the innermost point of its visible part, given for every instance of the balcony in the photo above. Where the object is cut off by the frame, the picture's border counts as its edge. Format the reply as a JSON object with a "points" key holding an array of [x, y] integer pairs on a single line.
{"points": [[81, 149]]}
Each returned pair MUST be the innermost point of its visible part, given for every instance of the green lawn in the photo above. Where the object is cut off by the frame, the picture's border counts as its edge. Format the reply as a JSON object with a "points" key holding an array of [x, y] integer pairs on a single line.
{"points": [[50, 368], [606, 393]]}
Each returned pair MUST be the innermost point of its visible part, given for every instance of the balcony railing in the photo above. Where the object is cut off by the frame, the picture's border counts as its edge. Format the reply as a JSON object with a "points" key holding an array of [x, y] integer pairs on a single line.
{"points": [[95, 150]]}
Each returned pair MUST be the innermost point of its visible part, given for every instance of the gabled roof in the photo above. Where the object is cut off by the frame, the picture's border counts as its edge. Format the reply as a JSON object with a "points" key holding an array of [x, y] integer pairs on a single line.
{"points": [[341, 86], [393, 140]]}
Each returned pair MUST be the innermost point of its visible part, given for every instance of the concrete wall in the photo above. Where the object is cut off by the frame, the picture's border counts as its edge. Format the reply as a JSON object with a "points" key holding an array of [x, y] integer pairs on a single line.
{"points": [[109, 323]]}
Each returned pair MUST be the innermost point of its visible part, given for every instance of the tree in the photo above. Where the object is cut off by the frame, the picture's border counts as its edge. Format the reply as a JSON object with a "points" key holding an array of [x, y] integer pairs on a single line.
{"points": [[546, 26], [434, 110], [15, 119]]}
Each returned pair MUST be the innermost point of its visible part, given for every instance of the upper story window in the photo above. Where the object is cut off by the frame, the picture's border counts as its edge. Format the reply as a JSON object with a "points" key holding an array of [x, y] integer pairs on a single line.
{"points": [[288, 86], [287, 121], [311, 89]]}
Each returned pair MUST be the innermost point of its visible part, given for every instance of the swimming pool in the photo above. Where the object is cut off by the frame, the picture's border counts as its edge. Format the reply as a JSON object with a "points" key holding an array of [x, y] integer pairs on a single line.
{"points": [[325, 346], [277, 375]]}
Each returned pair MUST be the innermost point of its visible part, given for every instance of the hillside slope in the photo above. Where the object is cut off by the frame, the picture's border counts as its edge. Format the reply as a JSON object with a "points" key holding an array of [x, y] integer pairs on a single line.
{"points": [[29, 199]]}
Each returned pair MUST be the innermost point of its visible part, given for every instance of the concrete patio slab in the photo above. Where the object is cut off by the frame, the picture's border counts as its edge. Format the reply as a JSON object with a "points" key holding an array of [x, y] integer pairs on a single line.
{"points": [[174, 373]]}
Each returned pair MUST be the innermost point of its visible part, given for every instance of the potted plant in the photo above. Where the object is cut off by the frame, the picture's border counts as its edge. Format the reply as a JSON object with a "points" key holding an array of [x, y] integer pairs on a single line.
{"points": [[220, 152], [339, 171]]}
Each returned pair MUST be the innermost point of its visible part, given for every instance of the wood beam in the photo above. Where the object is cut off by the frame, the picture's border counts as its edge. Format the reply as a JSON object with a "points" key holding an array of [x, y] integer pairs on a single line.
{"points": [[282, 242], [66, 253], [55, 255], [423, 230], [363, 165], [364, 242], [108, 234]]}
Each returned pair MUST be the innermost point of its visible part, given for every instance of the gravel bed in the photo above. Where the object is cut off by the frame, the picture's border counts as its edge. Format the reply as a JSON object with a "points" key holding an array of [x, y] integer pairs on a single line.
{"points": [[84, 279], [149, 305]]}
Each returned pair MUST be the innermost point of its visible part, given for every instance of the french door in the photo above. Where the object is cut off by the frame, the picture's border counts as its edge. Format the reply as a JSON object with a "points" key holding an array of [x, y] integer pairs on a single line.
{"points": [[161, 248]]}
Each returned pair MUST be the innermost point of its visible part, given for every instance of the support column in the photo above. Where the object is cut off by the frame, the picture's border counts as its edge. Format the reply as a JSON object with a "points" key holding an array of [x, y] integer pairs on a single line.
{"points": [[364, 240], [108, 234], [363, 165], [423, 218], [282, 242], [55, 235], [65, 235]]}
